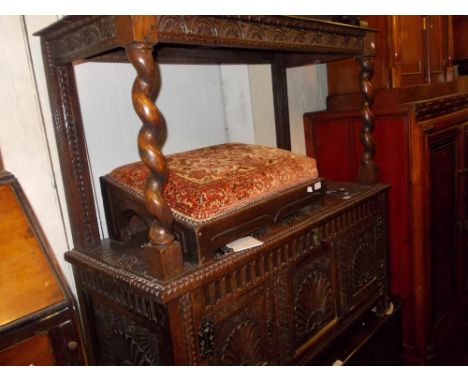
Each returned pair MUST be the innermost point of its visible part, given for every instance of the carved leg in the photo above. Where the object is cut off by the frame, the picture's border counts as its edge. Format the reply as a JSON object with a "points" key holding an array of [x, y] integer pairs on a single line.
{"points": [[368, 170], [163, 253]]}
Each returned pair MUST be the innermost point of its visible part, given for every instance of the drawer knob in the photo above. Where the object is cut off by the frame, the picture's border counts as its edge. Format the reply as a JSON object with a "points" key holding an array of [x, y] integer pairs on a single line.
{"points": [[72, 345]]}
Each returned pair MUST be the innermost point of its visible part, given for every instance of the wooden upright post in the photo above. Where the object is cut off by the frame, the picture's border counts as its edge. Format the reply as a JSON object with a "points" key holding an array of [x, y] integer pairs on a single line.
{"points": [[163, 253], [368, 170]]}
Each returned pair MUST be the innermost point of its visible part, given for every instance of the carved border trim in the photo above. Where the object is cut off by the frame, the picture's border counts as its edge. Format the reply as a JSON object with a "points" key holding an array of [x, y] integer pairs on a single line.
{"points": [[188, 328], [264, 32], [68, 130], [118, 292], [441, 106]]}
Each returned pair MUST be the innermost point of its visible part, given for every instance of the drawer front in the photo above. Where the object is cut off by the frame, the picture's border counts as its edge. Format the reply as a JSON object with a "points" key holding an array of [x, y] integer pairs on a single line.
{"points": [[35, 350]]}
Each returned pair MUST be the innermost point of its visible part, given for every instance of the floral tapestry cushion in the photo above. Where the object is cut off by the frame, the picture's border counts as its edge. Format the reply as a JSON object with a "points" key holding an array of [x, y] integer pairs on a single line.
{"points": [[214, 181]]}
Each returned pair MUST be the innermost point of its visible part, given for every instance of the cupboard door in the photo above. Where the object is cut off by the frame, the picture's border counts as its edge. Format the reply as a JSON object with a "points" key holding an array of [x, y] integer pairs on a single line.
{"points": [[411, 43], [442, 155], [35, 351], [241, 332], [436, 30]]}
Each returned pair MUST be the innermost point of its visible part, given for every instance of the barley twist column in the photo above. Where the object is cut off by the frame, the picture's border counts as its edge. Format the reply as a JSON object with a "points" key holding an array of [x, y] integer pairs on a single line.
{"points": [[163, 253], [368, 170]]}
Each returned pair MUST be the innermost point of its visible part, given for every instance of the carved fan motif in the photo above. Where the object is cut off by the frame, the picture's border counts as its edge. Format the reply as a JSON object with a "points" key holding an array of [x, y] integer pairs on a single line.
{"points": [[126, 344], [122, 349], [364, 262], [231, 30], [243, 346], [313, 304]]}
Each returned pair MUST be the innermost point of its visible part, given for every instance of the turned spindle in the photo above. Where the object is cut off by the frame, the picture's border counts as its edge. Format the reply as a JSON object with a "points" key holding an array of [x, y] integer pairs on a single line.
{"points": [[163, 253], [368, 170]]}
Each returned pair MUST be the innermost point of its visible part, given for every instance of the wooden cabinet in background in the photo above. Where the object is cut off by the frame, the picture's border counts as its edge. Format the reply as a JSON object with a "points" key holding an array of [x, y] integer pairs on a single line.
{"points": [[410, 51], [460, 43], [38, 318], [421, 150]]}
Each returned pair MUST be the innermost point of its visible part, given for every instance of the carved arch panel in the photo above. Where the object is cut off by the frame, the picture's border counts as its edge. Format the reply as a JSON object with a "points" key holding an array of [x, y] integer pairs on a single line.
{"points": [[315, 302], [241, 332]]}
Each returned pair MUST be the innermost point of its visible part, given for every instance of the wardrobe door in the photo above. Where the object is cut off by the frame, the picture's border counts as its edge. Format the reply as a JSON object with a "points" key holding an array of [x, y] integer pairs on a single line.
{"points": [[436, 29], [411, 34]]}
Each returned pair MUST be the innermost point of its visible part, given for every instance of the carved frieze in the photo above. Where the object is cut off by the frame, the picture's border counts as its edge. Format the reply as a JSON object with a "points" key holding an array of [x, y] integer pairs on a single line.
{"points": [[126, 297], [86, 40], [440, 106], [259, 32]]}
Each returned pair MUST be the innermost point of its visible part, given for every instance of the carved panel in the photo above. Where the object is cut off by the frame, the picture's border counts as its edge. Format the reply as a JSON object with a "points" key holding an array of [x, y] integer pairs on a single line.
{"points": [[440, 106], [314, 300], [364, 260], [361, 254], [241, 332], [122, 342], [243, 346]]}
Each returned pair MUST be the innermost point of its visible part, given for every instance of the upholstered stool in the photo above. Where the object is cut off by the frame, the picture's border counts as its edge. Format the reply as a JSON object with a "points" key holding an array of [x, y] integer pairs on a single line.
{"points": [[217, 194]]}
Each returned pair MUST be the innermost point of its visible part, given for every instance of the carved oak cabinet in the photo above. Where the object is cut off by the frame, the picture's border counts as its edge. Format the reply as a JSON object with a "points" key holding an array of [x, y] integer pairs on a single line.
{"points": [[320, 268], [282, 303]]}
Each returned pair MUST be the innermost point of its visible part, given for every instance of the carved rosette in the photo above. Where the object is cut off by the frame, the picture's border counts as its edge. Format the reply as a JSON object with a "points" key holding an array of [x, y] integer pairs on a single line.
{"points": [[123, 343]]}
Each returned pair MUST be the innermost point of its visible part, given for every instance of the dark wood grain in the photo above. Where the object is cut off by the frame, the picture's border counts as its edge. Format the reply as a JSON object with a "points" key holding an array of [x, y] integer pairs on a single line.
{"points": [[281, 303], [419, 151]]}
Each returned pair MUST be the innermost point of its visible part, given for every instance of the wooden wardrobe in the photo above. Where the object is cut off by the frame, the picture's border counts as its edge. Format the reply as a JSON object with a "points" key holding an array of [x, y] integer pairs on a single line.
{"points": [[421, 125]]}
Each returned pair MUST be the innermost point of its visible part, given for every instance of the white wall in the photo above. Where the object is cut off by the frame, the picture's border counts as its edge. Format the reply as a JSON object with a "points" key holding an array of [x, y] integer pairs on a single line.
{"points": [[190, 100], [24, 139], [203, 105]]}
